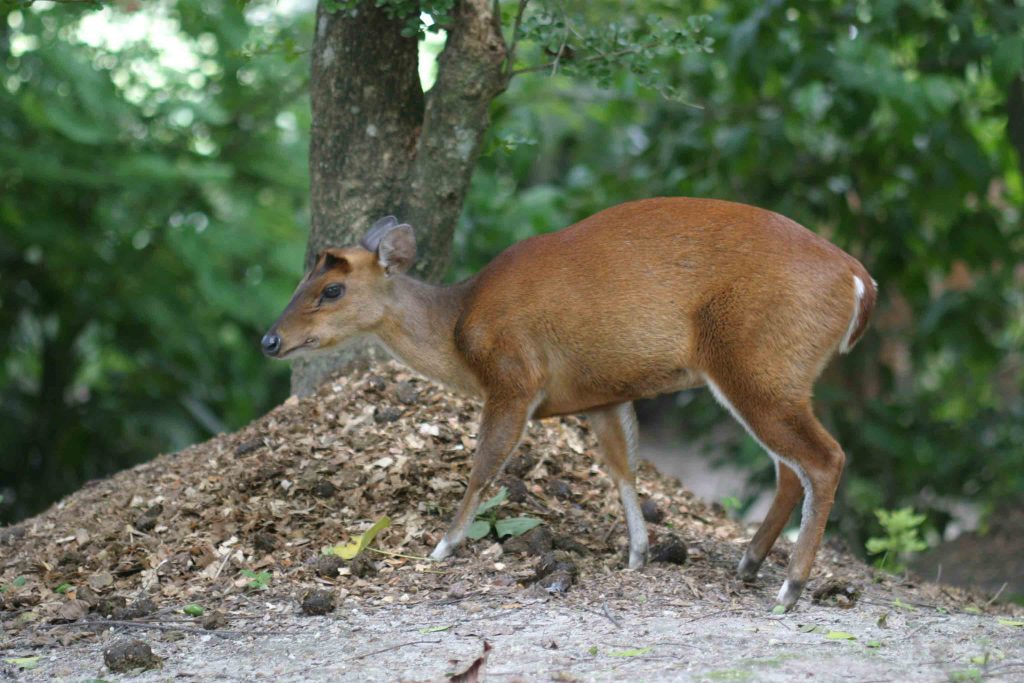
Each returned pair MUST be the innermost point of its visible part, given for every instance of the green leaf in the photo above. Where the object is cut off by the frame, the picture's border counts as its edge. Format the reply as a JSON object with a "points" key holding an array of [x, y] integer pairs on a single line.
{"points": [[24, 662], [63, 588], [808, 628], [637, 652], [478, 529], [973, 609], [1008, 59], [259, 580], [19, 582], [347, 551], [873, 644], [435, 629], [515, 526], [902, 605], [498, 499], [840, 635], [193, 610], [592, 650], [779, 609], [1016, 623]]}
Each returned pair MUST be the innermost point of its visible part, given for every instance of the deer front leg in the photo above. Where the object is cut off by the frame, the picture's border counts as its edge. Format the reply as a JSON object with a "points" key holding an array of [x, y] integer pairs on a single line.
{"points": [[616, 431], [501, 429]]}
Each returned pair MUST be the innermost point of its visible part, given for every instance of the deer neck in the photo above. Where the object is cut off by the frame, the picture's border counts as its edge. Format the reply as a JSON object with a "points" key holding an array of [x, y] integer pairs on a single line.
{"points": [[418, 329]]}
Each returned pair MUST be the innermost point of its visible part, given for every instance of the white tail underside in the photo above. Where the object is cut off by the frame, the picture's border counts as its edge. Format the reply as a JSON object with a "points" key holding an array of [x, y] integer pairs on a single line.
{"points": [[858, 287]]}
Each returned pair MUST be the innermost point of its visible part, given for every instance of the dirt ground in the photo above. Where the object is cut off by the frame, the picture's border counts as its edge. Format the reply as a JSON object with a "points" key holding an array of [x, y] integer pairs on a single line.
{"points": [[246, 527], [585, 637]]}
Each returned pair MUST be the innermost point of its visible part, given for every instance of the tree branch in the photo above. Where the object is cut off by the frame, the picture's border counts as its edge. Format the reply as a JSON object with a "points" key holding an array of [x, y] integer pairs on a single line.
{"points": [[594, 58], [511, 58]]}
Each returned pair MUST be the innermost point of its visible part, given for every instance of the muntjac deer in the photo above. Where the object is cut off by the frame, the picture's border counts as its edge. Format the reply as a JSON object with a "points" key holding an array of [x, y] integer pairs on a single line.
{"points": [[641, 299]]}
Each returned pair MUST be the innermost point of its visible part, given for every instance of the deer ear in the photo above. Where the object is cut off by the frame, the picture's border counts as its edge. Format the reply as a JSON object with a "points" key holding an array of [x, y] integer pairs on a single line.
{"points": [[396, 251], [371, 240]]}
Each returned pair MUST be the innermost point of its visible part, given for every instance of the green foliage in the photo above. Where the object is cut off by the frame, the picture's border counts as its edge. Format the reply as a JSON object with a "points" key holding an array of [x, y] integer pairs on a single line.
{"points": [[902, 529], [487, 520], [732, 505], [598, 40], [17, 583], [152, 213], [257, 580], [412, 12]]}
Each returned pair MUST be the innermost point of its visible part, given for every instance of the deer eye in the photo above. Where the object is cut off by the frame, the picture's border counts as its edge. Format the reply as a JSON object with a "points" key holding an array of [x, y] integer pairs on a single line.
{"points": [[333, 291]]}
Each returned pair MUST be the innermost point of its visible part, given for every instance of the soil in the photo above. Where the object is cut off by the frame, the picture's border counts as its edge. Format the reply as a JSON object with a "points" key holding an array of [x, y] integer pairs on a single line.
{"points": [[215, 557], [993, 561]]}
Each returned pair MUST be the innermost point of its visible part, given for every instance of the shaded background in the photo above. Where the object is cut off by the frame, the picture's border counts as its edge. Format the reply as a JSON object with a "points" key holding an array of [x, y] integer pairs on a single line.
{"points": [[154, 217]]}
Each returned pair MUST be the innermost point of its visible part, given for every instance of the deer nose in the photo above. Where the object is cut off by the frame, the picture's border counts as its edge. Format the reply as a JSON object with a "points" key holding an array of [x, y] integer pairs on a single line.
{"points": [[271, 343]]}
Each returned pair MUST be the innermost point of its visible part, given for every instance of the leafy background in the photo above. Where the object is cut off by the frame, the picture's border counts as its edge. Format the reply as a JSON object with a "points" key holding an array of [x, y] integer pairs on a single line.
{"points": [[153, 213]]}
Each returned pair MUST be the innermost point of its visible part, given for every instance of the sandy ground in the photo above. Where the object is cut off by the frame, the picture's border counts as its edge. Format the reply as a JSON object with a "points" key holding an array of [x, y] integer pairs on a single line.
{"points": [[564, 639]]}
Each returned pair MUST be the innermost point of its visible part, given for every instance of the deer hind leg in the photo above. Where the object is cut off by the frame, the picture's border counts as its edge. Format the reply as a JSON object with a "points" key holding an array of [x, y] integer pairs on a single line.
{"points": [[788, 492], [501, 429], [616, 431], [794, 437]]}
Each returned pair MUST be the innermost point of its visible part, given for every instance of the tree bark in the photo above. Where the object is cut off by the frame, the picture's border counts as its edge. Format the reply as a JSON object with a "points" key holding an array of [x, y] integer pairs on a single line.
{"points": [[378, 146], [471, 74]]}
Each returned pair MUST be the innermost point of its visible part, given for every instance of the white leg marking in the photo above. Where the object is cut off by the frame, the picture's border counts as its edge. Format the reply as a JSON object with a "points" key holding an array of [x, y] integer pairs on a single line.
{"points": [[784, 597], [627, 493], [858, 288], [443, 550], [808, 506], [635, 524]]}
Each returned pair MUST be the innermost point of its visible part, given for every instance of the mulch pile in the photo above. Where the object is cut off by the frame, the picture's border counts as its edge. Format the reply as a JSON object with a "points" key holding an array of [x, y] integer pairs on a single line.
{"points": [[243, 518]]}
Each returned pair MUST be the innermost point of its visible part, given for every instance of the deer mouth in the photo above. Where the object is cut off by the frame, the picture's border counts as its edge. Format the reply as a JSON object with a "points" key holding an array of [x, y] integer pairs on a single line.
{"points": [[310, 343]]}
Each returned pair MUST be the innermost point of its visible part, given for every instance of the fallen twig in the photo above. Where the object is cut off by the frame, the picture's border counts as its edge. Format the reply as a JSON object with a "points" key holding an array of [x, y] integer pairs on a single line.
{"points": [[604, 608], [395, 647], [716, 613], [996, 596], [603, 613]]}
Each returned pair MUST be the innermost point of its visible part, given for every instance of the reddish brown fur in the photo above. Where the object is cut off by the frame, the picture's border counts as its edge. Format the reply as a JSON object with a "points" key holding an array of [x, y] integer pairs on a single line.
{"points": [[643, 298]]}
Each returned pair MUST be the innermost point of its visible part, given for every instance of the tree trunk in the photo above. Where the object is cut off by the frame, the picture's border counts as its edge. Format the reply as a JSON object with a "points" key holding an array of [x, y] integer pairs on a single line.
{"points": [[378, 146]]}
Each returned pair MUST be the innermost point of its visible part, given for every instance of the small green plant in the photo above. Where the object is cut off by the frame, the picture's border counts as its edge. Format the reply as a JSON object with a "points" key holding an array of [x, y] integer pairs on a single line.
{"points": [[17, 583], [902, 536], [487, 520], [257, 581], [732, 505], [194, 610]]}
